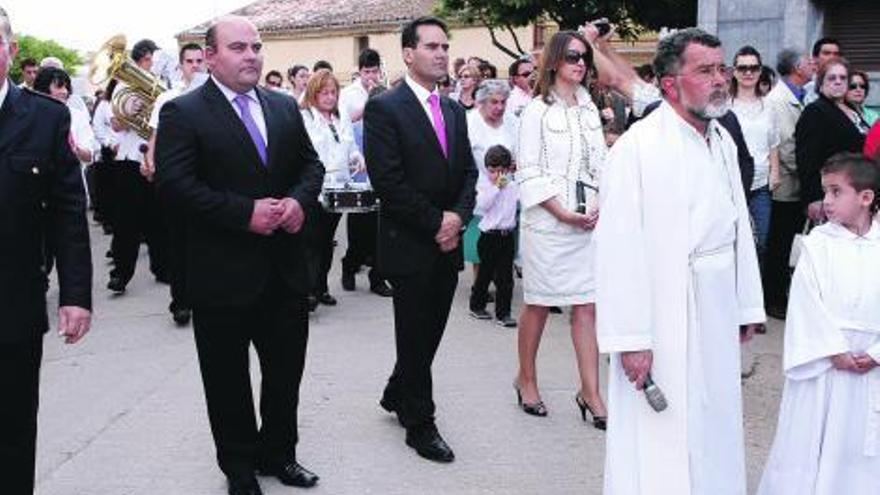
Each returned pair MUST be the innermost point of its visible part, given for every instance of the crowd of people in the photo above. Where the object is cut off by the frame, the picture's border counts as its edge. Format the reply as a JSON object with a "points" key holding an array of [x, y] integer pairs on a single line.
{"points": [[664, 206]]}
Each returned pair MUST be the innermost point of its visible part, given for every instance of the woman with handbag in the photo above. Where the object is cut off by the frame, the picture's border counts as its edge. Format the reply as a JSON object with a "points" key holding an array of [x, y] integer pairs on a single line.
{"points": [[561, 151]]}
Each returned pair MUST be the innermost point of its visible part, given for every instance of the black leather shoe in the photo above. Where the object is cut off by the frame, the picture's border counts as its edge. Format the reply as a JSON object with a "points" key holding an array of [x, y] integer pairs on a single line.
{"points": [[291, 473], [326, 299], [348, 284], [247, 485], [428, 443], [116, 285], [381, 288], [181, 316]]}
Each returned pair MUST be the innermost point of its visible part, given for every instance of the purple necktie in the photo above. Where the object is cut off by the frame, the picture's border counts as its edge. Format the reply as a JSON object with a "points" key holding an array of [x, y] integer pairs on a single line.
{"points": [[248, 120], [439, 128]]}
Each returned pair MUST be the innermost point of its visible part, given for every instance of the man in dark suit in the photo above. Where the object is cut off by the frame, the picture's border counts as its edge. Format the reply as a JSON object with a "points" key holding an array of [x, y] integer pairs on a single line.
{"points": [[41, 197], [237, 162], [419, 159]]}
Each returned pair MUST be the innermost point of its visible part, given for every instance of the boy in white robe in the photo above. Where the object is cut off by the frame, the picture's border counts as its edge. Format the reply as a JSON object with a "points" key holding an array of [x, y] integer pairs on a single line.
{"points": [[828, 435]]}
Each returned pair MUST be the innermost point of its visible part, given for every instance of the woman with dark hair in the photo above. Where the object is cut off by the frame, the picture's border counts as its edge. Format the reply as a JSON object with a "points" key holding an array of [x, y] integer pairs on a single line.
{"points": [[561, 153], [334, 142], [56, 83], [859, 86], [298, 76], [827, 126], [762, 138], [766, 80]]}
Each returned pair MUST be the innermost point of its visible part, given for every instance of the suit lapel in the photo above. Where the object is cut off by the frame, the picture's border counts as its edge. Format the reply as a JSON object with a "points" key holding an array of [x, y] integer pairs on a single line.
{"points": [[420, 118], [231, 122], [12, 121]]}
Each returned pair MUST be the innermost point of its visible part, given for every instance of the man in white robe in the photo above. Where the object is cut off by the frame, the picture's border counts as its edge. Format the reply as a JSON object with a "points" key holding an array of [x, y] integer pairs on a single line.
{"points": [[678, 285]]}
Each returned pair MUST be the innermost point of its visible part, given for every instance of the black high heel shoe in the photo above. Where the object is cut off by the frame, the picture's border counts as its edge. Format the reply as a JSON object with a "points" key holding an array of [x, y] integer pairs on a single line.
{"points": [[535, 408], [599, 422]]}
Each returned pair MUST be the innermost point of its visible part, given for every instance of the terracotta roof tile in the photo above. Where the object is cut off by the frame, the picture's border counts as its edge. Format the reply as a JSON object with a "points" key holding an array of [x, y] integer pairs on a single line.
{"points": [[297, 15]]}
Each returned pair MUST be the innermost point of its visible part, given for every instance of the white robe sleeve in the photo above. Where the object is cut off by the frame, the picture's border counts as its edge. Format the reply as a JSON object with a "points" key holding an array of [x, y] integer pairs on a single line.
{"points": [[623, 298], [811, 334], [535, 186]]}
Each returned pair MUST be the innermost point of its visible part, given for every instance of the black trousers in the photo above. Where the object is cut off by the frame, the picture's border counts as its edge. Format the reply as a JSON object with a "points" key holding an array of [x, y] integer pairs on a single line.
{"points": [[496, 251], [278, 327], [786, 220], [320, 234], [105, 184], [362, 231], [19, 386], [138, 216], [421, 309], [176, 230]]}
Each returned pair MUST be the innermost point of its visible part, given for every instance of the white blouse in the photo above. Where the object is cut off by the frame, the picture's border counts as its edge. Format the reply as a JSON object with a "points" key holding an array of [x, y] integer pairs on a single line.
{"points": [[333, 140], [558, 146], [760, 131], [483, 136]]}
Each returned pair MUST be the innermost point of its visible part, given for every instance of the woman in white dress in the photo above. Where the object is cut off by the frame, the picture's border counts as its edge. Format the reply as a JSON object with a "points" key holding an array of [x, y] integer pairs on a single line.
{"points": [[333, 140], [561, 151]]}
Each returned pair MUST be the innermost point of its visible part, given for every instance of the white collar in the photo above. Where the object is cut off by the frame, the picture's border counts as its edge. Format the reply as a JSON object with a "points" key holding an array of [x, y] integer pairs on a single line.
{"points": [[230, 94], [4, 90], [832, 229], [421, 93], [581, 95]]}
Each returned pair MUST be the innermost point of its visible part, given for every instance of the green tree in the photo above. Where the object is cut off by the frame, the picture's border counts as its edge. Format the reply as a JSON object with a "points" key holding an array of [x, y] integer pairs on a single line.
{"points": [[36, 48], [630, 16]]}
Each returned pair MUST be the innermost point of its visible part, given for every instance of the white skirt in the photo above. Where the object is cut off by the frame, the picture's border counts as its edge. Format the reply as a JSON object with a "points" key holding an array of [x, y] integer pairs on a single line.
{"points": [[558, 267]]}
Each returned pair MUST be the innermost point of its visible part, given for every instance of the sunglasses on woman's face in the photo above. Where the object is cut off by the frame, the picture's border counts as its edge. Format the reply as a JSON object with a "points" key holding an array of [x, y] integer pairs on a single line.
{"points": [[573, 56], [750, 69], [857, 86]]}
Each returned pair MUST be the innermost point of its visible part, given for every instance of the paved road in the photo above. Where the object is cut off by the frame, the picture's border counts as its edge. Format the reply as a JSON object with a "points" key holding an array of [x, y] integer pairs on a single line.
{"points": [[123, 412]]}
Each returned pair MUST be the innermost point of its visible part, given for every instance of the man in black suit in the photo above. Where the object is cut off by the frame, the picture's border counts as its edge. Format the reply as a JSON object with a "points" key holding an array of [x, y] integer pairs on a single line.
{"points": [[419, 159], [41, 197], [238, 164]]}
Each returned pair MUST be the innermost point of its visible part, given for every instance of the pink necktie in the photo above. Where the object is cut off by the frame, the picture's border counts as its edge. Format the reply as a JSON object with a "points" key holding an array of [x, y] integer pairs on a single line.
{"points": [[439, 128]]}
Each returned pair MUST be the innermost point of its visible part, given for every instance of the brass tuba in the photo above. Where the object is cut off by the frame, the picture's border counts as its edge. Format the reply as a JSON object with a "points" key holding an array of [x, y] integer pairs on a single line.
{"points": [[132, 103]]}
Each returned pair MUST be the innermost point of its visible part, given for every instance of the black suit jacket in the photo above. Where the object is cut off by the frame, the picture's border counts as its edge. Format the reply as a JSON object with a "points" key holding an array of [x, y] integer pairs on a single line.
{"points": [[822, 131], [41, 197], [208, 168], [414, 180]]}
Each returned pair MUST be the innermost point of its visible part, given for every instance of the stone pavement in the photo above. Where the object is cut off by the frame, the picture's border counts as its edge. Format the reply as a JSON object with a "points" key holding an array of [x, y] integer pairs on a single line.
{"points": [[122, 413]]}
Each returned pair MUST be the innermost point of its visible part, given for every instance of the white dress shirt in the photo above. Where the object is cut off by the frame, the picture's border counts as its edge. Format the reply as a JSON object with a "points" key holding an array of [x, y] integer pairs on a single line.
{"points": [[82, 133], [104, 132], [353, 98], [337, 152], [253, 103], [3, 90], [422, 95]]}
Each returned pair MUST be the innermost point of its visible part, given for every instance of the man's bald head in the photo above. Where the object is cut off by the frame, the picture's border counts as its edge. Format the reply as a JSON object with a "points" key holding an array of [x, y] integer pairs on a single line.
{"points": [[8, 46], [5, 25], [234, 53], [222, 23]]}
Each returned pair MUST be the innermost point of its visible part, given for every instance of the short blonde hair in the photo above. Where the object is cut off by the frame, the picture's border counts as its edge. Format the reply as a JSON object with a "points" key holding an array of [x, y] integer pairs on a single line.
{"points": [[317, 81]]}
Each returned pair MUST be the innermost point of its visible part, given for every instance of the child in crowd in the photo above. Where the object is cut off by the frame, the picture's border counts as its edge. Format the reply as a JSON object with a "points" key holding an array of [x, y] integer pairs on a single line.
{"points": [[497, 196], [828, 435]]}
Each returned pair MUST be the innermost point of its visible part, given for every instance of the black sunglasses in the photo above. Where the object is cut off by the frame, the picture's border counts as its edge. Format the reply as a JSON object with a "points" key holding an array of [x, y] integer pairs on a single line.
{"points": [[527, 74], [572, 57], [858, 86], [754, 69]]}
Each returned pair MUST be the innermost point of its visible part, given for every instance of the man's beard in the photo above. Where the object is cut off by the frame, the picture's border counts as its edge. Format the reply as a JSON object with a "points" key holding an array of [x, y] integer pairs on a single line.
{"points": [[718, 105]]}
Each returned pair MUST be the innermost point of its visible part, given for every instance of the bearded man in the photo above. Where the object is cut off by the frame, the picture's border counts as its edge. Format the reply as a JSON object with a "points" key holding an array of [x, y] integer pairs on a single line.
{"points": [[677, 284]]}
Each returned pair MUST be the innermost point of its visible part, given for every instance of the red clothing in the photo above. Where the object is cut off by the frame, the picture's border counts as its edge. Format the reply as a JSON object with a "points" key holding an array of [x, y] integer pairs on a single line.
{"points": [[872, 142]]}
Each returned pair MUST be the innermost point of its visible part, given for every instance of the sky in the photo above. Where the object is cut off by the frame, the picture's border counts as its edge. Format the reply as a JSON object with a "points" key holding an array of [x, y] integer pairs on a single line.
{"points": [[85, 24]]}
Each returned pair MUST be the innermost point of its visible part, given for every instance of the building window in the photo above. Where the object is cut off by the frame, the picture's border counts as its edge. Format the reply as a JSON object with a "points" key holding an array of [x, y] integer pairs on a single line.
{"points": [[361, 43], [854, 24]]}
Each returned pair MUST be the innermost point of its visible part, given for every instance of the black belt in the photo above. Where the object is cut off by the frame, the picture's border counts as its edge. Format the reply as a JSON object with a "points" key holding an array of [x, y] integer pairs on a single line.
{"points": [[501, 232]]}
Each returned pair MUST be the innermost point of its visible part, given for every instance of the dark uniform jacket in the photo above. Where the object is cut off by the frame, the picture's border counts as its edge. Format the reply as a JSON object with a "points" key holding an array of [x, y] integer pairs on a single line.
{"points": [[41, 199]]}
